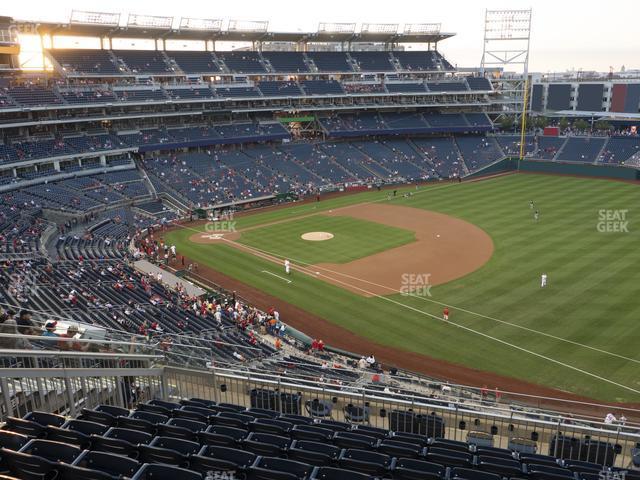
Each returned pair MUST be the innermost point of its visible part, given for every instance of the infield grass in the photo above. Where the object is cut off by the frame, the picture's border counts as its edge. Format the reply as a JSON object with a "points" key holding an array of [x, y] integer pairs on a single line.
{"points": [[592, 300], [353, 239]]}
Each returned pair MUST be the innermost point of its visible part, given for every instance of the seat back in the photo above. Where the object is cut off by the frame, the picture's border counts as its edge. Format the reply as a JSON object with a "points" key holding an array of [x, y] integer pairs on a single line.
{"points": [[27, 466], [12, 440], [165, 472], [44, 418], [53, 451], [110, 463]]}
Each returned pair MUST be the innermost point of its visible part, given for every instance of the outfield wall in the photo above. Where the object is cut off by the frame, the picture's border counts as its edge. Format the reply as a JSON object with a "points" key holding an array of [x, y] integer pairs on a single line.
{"points": [[560, 168]]}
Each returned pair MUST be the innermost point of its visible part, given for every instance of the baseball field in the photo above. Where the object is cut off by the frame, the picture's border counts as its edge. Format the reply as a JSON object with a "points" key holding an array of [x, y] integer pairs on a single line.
{"points": [[376, 273]]}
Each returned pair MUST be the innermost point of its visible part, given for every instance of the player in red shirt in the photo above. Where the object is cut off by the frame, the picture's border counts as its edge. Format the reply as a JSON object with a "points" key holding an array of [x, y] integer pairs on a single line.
{"points": [[445, 313]]}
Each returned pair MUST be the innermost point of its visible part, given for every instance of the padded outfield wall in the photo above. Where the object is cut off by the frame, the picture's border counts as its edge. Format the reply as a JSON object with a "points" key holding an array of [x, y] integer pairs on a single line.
{"points": [[560, 168]]}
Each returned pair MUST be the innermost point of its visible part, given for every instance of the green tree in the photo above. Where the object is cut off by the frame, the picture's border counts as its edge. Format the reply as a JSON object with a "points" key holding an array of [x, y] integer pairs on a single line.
{"points": [[603, 125], [506, 122], [581, 124], [564, 123], [541, 122]]}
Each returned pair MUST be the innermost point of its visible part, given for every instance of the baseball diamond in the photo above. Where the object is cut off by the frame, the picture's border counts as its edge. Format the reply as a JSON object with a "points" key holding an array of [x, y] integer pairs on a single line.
{"points": [[239, 248], [488, 275]]}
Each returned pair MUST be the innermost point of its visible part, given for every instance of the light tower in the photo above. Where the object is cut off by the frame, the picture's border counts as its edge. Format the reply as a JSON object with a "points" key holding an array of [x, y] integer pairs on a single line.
{"points": [[505, 61]]}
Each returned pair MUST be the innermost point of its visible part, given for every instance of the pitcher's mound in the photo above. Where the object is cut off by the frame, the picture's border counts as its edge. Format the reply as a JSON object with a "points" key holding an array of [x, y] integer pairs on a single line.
{"points": [[317, 236]]}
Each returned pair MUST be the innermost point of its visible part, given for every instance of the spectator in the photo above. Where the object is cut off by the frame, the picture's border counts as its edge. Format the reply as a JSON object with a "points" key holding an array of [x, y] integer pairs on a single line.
{"points": [[50, 329], [26, 326], [71, 332], [9, 325], [362, 363]]}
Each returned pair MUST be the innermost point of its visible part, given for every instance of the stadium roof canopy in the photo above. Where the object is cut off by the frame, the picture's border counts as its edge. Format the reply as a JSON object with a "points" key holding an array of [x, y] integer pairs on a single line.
{"points": [[153, 27]]}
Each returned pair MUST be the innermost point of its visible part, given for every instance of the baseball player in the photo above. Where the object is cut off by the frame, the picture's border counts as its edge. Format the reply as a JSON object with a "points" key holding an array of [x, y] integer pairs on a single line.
{"points": [[531, 204], [445, 313], [543, 280], [287, 267], [536, 215]]}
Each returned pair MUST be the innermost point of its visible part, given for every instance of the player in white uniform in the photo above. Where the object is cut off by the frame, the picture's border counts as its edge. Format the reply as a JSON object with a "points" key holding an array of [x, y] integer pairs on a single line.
{"points": [[287, 267], [543, 280]]}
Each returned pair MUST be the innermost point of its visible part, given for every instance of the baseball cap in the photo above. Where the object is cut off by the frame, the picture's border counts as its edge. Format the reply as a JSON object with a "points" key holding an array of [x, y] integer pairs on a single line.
{"points": [[50, 324]]}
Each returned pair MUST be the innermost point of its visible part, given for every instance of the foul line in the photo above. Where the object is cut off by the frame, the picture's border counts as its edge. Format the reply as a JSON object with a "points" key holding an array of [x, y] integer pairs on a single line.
{"points": [[487, 317], [422, 312], [281, 278]]}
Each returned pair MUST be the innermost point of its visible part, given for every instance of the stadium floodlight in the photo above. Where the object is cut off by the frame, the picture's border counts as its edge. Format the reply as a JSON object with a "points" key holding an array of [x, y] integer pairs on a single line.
{"points": [[390, 28], [149, 21], [248, 26], [507, 35], [204, 24], [80, 17], [422, 28], [507, 24], [336, 27], [506, 38]]}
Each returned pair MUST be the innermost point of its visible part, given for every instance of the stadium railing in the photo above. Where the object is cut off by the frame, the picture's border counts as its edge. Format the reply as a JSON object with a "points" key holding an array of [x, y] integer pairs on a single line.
{"points": [[85, 380], [501, 427], [66, 382]]}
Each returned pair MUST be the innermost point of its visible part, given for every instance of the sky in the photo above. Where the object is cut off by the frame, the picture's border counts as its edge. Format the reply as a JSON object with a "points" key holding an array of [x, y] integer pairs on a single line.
{"points": [[566, 34]]}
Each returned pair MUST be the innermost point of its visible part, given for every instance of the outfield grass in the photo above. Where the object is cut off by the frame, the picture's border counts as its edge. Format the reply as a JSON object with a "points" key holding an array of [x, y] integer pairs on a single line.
{"points": [[592, 299], [353, 239]]}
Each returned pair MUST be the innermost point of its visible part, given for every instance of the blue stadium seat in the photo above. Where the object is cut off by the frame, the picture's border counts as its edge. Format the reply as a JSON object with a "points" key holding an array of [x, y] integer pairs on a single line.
{"points": [[231, 419], [98, 417], [165, 472], [136, 424], [115, 465], [71, 472], [271, 425], [269, 468], [204, 402], [354, 440], [499, 465], [44, 418], [173, 451], [372, 463], [27, 466], [64, 435], [266, 444], [25, 427], [412, 469], [181, 428], [212, 457], [315, 453], [120, 440], [330, 473], [222, 435], [400, 449], [449, 457], [470, 474], [52, 451], [311, 432], [12, 440]]}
